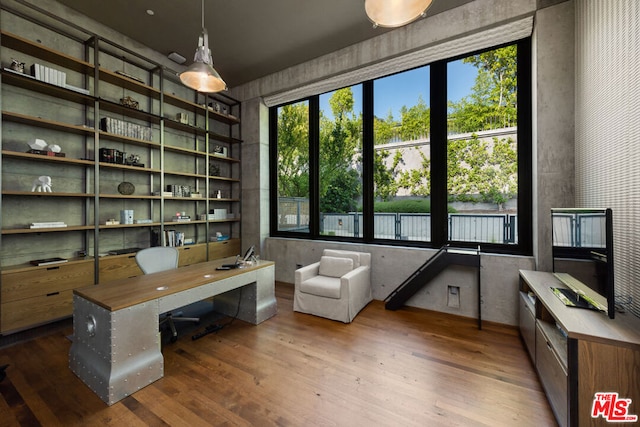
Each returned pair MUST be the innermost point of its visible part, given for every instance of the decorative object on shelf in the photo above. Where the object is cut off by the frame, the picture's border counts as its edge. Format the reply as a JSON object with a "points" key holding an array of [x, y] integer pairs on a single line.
{"points": [[219, 194], [214, 169], [390, 14], [217, 214], [129, 102], [182, 118], [214, 106], [112, 221], [54, 148], [39, 146], [17, 66], [126, 216], [134, 160], [220, 150], [42, 184], [201, 75], [126, 188]]}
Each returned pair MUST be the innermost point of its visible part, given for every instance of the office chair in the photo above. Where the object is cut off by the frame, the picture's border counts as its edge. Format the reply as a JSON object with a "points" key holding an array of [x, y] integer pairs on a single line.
{"points": [[162, 258]]}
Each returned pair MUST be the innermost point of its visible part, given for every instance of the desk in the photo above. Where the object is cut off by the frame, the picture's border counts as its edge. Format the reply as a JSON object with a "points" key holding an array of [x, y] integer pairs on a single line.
{"points": [[116, 343], [578, 353]]}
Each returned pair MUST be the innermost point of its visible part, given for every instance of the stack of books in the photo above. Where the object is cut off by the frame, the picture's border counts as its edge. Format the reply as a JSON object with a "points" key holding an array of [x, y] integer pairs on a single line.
{"points": [[181, 218], [49, 75], [52, 224], [179, 190], [131, 130], [173, 238]]}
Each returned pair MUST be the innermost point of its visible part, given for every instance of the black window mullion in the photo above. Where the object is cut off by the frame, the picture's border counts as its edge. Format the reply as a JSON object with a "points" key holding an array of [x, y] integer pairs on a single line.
{"points": [[367, 161], [438, 131], [273, 177], [314, 166]]}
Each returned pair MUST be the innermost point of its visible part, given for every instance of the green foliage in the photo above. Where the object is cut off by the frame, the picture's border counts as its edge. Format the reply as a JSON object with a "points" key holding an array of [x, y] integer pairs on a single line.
{"points": [[493, 102], [293, 150], [415, 121], [404, 206], [407, 206], [340, 145], [486, 169]]}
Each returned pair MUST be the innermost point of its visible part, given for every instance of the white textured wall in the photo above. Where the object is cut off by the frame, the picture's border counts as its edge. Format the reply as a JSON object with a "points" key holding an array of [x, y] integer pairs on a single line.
{"points": [[607, 148]]}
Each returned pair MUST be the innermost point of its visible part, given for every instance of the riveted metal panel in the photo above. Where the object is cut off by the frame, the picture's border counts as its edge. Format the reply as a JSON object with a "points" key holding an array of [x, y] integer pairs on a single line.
{"points": [[112, 352]]}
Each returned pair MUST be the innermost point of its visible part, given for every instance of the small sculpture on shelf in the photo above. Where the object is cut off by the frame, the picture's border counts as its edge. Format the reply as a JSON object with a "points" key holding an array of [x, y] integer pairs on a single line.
{"points": [[42, 184], [220, 150], [40, 146], [129, 102], [17, 66], [134, 160]]}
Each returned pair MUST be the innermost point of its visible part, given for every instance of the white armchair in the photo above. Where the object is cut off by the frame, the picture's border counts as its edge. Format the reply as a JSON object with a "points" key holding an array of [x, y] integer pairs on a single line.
{"points": [[337, 287]]}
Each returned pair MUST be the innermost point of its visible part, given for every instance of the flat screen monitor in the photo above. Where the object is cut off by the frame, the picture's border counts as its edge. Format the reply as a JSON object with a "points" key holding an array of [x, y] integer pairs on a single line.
{"points": [[583, 250]]}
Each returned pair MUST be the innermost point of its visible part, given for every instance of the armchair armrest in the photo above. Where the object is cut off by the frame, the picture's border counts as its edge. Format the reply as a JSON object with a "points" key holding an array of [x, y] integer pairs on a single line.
{"points": [[356, 279], [307, 272]]}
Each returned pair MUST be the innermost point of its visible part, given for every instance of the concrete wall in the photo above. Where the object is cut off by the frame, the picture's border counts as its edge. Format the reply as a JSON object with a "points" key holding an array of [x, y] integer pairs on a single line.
{"points": [[391, 265], [553, 122]]}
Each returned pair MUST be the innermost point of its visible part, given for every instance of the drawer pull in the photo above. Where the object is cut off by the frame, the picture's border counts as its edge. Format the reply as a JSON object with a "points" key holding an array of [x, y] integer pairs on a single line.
{"points": [[53, 293], [53, 268], [131, 256]]}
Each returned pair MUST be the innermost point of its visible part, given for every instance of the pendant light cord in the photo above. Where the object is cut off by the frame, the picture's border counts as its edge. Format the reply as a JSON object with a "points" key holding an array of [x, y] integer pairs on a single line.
{"points": [[203, 14]]}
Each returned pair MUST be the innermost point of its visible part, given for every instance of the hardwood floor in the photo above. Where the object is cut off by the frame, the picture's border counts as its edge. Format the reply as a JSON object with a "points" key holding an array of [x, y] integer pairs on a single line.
{"points": [[388, 368]]}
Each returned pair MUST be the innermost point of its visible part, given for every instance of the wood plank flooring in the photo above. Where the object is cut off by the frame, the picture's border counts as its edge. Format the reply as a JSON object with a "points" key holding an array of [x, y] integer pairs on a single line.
{"points": [[408, 367]]}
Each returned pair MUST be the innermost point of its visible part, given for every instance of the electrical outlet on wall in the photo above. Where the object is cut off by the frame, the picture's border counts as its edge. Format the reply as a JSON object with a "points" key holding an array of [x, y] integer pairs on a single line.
{"points": [[453, 296]]}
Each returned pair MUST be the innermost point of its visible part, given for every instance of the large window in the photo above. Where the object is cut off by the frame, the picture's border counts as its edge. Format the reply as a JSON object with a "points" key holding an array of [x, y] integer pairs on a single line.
{"points": [[482, 164], [292, 186], [401, 156], [340, 162], [435, 155]]}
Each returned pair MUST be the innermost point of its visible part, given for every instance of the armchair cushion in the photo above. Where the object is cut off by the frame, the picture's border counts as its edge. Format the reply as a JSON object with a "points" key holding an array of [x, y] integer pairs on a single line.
{"points": [[321, 286], [334, 266], [355, 256]]}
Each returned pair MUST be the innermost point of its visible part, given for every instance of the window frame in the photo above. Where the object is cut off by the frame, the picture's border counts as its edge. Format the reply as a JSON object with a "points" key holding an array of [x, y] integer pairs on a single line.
{"points": [[438, 131]]}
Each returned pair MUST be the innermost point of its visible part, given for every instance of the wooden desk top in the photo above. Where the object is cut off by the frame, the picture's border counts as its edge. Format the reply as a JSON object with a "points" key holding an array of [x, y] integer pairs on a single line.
{"points": [[123, 293], [578, 323]]}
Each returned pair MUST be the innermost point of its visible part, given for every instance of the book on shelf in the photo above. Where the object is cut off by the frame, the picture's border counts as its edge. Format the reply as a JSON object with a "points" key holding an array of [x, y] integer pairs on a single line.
{"points": [[48, 261], [52, 224]]}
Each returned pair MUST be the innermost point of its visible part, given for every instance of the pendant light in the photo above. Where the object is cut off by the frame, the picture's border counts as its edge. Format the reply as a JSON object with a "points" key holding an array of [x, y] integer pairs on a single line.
{"points": [[201, 75], [395, 13]]}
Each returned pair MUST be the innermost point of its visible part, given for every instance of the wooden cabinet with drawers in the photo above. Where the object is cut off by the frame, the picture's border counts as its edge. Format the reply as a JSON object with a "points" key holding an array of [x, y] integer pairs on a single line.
{"points": [[31, 296]]}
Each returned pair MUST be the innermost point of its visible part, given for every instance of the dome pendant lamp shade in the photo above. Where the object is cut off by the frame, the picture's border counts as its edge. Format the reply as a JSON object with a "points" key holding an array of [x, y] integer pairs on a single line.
{"points": [[201, 75], [395, 13]]}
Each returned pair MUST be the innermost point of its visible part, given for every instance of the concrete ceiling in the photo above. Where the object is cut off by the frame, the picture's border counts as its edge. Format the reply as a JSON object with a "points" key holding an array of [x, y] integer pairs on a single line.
{"points": [[248, 38]]}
